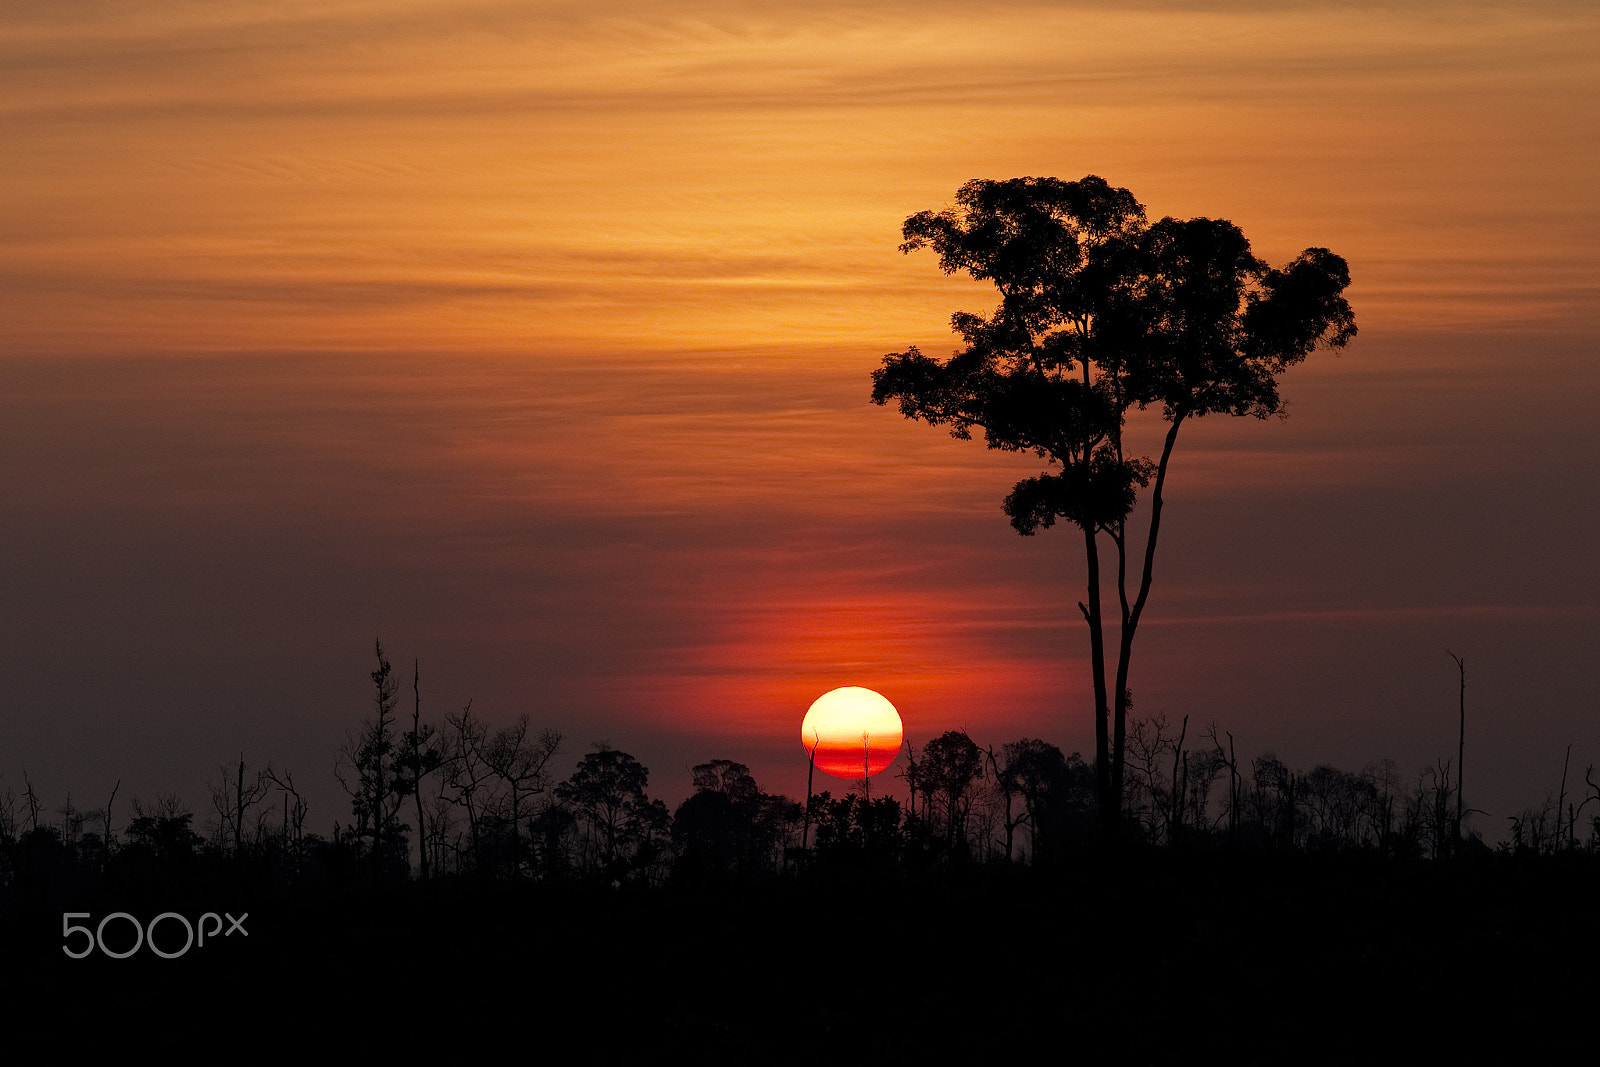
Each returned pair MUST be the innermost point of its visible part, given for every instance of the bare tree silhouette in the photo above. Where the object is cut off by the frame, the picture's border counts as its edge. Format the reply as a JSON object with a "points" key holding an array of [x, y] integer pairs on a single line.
{"points": [[233, 799], [521, 761]]}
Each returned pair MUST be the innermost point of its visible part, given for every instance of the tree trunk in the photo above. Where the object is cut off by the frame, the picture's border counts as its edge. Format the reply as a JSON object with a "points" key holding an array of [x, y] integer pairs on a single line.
{"points": [[416, 764], [1130, 615], [1110, 800]]}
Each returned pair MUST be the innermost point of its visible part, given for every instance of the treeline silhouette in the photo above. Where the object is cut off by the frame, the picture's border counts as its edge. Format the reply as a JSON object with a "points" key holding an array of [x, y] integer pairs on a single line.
{"points": [[466, 803]]}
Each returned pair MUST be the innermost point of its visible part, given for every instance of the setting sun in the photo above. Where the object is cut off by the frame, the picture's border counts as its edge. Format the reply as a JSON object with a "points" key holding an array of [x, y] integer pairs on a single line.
{"points": [[852, 729]]}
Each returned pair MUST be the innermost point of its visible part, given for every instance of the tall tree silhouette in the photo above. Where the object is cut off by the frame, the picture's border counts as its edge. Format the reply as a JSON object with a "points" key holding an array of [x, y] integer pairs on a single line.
{"points": [[1461, 743], [423, 754], [1101, 312], [372, 774]]}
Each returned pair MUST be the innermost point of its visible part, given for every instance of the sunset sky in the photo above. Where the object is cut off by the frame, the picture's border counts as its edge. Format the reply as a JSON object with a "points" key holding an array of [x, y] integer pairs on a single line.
{"points": [[536, 338]]}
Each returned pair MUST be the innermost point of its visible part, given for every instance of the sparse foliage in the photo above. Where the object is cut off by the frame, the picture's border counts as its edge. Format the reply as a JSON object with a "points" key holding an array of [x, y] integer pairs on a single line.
{"points": [[375, 779]]}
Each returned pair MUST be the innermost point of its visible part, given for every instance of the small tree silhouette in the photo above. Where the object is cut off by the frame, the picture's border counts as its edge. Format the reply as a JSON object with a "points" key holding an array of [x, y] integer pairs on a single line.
{"points": [[607, 792]]}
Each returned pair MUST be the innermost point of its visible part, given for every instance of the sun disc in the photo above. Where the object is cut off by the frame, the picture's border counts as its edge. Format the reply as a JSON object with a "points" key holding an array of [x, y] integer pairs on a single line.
{"points": [[852, 732]]}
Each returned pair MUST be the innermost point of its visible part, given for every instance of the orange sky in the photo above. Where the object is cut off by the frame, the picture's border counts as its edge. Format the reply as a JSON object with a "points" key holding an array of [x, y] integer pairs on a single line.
{"points": [[605, 177], [536, 336]]}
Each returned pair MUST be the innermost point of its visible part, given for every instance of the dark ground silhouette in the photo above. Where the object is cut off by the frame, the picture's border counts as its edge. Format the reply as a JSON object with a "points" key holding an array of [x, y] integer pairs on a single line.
{"points": [[1249, 958]]}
